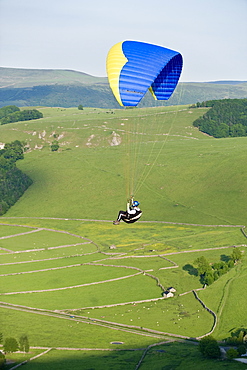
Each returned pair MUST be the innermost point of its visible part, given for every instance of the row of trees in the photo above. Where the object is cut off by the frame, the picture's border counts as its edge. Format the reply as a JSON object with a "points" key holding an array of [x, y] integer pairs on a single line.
{"points": [[211, 272], [237, 337], [226, 118], [8, 109], [12, 345], [13, 182], [11, 113]]}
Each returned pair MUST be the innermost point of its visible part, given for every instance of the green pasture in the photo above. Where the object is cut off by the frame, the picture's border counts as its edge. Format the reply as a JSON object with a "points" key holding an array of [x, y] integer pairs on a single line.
{"points": [[212, 255], [180, 174], [62, 261], [150, 238], [76, 126], [192, 192], [76, 360], [144, 263], [228, 301], [182, 356], [178, 278], [53, 332], [44, 254], [113, 292], [64, 277], [184, 278], [232, 315], [137, 239], [179, 315], [46, 239], [17, 357], [164, 356], [6, 230], [192, 237], [192, 187]]}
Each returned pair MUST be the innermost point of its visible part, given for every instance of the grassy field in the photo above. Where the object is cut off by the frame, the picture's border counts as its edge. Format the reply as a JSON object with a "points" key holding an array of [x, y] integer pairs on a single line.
{"points": [[166, 357], [41, 280], [161, 357], [181, 315], [183, 177], [192, 190]]}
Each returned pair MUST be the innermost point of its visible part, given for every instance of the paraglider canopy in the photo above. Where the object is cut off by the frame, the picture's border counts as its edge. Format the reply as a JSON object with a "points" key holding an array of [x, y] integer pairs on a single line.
{"points": [[134, 67]]}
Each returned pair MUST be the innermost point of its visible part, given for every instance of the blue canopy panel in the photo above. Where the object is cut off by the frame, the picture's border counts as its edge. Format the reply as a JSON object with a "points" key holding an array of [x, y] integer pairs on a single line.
{"points": [[165, 83], [148, 67]]}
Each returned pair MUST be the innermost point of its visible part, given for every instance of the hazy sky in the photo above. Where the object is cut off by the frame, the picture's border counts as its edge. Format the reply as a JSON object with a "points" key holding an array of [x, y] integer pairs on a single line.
{"points": [[77, 34]]}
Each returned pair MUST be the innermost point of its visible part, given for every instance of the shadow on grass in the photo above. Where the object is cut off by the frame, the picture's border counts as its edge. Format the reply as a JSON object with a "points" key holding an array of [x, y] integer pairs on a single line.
{"points": [[225, 258], [190, 269], [87, 360], [173, 355]]}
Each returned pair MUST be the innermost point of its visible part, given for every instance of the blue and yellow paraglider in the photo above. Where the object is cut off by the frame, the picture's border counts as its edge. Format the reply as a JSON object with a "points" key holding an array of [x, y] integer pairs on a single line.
{"points": [[134, 67]]}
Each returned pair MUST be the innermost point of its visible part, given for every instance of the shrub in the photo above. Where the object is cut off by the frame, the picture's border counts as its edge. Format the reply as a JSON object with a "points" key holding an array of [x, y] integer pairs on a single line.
{"points": [[54, 146], [209, 347], [10, 345], [231, 353], [241, 349], [2, 360]]}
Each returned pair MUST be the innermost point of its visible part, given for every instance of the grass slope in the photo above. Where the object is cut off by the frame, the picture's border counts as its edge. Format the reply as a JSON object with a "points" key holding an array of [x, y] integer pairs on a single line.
{"points": [[182, 177]]}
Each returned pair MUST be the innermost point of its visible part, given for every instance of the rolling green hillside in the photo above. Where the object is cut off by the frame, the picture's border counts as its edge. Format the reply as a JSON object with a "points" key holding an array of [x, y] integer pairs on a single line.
{"points": [[184, 177], [63, 88], [75, 284]]}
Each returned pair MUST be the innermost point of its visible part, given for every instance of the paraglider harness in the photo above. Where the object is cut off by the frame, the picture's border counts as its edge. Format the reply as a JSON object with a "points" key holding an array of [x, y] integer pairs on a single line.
{"points": [[132, 214]]}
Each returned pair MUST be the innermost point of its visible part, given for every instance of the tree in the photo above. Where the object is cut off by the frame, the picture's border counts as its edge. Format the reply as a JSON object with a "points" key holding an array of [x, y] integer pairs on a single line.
{"points": [[230, 263], [203, 265], [220, 268], [209, 278], [209, 347], [231, 353], [24, 115], [54, 146], [204, 270], [5, 111], [13, 182], [10, 345], [237, 130], [80, 107], [24, 343], [2, 360], [236, 255], [237, 338], [241, 349], [226, 117], [13, 151]]}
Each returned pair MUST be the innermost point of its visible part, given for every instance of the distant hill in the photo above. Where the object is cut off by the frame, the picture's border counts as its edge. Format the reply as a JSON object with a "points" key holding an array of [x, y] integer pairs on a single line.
{"points": [[227, 82], [65, 88], [20, 78]]}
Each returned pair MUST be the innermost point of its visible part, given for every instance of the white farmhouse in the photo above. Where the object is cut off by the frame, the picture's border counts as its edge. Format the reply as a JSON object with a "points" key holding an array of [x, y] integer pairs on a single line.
{"points": [[167, 294], [171, 289]]}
